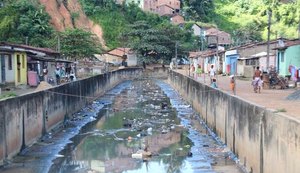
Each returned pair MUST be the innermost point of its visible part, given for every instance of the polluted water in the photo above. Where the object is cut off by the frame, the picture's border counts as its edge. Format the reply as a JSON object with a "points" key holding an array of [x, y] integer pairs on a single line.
{"points": [[140, 126]]}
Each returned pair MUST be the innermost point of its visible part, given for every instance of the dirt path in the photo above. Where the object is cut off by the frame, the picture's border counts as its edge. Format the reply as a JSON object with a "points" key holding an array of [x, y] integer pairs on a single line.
{"points": [[271, 99]]}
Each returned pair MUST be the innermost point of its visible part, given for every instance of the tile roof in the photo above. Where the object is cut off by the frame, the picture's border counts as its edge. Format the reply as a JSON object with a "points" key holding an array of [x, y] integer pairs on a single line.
{"points": [[22, 46], [120, 51]]}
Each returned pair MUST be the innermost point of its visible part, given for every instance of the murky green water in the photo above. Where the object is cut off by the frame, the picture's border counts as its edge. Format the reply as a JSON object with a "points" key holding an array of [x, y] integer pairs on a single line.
{"points": [[142, 115], [135, 115]]}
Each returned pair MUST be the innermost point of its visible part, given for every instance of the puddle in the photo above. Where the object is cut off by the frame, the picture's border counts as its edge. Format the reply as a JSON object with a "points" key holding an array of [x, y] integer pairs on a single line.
{"points": [[133, 116]]}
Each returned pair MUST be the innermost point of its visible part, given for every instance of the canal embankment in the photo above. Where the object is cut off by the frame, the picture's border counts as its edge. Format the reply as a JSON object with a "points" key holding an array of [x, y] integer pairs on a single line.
{"points": [[25, 119], [264, 140]]}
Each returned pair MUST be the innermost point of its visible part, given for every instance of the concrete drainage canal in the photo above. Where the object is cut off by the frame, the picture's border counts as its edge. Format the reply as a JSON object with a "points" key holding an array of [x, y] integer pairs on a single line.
{"points": [[139, 126]]}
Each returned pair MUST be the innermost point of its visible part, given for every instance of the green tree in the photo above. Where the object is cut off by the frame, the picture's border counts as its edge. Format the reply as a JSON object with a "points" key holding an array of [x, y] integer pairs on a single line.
{"points": [[25, 20], [157, 43], [201, 10], [150, 43], [79, 44]]}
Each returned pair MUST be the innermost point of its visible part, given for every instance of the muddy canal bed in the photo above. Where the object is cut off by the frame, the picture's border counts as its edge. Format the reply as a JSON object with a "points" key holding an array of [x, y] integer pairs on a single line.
{"points": [[140, 116]]}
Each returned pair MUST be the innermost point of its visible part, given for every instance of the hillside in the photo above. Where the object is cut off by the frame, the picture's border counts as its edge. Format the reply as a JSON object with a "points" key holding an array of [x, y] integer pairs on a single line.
{"points": [[248, 19], [69, 14]]}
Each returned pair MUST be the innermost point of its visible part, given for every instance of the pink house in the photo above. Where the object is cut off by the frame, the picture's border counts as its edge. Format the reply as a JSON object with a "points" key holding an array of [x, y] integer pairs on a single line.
{"points": [[175, 4], [165, 10], [162, 7], [215, 36], [176, 19]]}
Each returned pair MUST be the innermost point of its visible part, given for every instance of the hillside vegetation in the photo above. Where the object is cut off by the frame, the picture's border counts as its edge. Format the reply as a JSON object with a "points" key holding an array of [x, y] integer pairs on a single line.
{"points": [[247, 20]]}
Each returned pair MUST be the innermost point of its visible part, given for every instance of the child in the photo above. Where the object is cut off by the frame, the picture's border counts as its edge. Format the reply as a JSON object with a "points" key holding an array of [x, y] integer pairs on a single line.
{"points": [[232, 84], [199, 71], [214, 83]]}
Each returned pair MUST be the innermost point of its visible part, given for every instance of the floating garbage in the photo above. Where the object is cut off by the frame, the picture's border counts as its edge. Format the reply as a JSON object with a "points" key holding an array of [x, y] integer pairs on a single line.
{"points": [[187, 146], [92, 118], [140, 154], [149, 130]]}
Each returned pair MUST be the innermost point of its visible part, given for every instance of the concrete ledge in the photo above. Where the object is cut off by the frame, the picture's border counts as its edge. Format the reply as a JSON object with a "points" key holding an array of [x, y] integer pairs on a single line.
{"points": [[24, 119], [264, 141]]}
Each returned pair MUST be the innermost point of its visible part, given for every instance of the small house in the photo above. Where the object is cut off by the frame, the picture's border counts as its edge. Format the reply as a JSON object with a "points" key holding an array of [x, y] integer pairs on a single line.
{"points": [[165, 9], [215, 37], [215, 58], [235, 56], [18, 61], [177, 19], [230, 62], [13, 65], [247, 65], [288, 58], [117, 55]]}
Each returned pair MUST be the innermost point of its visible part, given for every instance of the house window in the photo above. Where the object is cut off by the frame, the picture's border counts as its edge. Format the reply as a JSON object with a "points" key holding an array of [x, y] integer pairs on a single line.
{"points": [[9, 60], [210, 60], [252, 62]]}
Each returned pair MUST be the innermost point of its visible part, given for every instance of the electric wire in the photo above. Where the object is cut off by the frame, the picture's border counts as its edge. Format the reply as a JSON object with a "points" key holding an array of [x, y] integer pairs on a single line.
{"points": [[88, 97], [71, 95]]}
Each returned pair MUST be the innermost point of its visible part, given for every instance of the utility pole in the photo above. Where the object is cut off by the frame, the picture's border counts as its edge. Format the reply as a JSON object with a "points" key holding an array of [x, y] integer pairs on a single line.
{"points": [[58, 43], [269, 33], [202, 42], [26, 40], [176, 45], [217, 60], [299, 31]]}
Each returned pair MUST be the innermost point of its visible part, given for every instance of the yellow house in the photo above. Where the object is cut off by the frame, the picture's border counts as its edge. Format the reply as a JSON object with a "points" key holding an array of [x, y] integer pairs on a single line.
{"points": [[14, 59], [14, 66]]}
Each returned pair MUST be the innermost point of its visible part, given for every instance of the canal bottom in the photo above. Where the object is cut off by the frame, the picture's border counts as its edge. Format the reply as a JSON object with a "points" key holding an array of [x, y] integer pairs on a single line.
{"points": [[135, 116]]}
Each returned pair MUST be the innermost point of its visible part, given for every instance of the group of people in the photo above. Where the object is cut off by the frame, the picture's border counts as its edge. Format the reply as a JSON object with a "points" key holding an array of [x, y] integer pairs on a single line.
{"points": [[196, 71], [68, 74], [257, 81]]}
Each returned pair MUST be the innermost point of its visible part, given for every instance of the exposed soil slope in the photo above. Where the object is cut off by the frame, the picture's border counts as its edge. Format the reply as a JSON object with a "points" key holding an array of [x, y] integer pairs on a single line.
{"points": [[61, 12]]}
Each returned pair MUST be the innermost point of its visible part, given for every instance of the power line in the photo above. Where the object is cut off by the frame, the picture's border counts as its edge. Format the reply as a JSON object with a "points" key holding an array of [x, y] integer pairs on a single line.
{"points": [[71, 95], [74, 95]]}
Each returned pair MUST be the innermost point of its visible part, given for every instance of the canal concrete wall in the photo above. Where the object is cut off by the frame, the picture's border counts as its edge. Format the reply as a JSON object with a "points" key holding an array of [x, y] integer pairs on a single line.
{"points": [[24, 119], [263, 140]]}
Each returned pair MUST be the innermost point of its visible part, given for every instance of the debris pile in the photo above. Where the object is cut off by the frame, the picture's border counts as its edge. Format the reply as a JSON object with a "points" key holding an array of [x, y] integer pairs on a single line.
{"points": [[43, 86]]}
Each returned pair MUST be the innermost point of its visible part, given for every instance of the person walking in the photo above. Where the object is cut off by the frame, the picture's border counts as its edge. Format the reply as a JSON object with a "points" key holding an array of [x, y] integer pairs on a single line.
{"points": [[257, 82]]}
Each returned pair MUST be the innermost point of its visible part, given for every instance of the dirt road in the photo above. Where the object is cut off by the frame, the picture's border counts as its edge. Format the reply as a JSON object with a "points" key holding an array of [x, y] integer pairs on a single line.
{"points": [[269, 98]]}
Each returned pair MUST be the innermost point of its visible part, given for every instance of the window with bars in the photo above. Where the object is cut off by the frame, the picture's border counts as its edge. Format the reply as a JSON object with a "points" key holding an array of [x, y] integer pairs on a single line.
{"points": [[253, 62]]}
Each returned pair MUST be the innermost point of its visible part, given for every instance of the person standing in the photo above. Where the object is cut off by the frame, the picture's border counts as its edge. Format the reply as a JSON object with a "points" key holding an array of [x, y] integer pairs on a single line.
{"points": [[171, 65], [57, 75], [257, 82], [232, 83], [212, 73], [45, 73], [199, 71]]}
